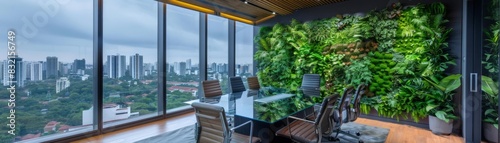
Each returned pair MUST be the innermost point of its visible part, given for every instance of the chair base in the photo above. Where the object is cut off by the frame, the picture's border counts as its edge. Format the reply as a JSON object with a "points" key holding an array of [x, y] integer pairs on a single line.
{"points": [[337, 138]]}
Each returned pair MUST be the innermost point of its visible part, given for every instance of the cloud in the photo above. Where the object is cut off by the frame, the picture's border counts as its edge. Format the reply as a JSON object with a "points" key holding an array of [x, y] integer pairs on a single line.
{"points": [[130, 26]]}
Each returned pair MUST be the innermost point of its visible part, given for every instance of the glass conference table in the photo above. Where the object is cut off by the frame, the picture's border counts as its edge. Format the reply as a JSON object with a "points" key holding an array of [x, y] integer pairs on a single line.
{"points": [[268, 113]]}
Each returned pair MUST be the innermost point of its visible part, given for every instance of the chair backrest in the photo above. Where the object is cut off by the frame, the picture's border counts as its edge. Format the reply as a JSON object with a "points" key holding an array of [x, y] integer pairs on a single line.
{"points": [[325, 112], [355, 112], [253, 83], [212, 124], [345, 103], [211, 88], [237, 84], [310, 85], [311, 81]]}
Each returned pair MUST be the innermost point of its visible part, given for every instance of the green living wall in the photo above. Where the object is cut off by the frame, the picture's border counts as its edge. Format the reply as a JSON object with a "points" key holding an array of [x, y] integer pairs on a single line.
{"points": [[490, 64], [397, 51]]}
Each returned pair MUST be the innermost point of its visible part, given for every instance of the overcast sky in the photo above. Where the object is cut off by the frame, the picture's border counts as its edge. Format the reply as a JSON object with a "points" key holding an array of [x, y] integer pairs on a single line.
{"points": [[65, 30]]}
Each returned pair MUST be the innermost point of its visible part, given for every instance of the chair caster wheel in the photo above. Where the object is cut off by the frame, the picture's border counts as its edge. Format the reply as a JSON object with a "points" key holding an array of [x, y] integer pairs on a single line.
{"points": [[358, 134], [360, 142]]}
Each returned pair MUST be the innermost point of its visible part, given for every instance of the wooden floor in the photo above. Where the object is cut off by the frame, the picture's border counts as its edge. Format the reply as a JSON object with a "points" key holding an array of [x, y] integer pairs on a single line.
{"points": [[397, 134]]}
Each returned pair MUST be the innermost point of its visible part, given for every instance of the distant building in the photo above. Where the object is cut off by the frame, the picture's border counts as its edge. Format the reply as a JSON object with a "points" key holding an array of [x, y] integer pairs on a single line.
{"points": [[36, 71], [182, 68], [78, 66], [62, 84], [177, 68], [214, 67], [52, 67], [19, 74], [85, 77], [111, 112], [136, 66], [56, 127], [30, 136], [116, 66], [188, 64]]}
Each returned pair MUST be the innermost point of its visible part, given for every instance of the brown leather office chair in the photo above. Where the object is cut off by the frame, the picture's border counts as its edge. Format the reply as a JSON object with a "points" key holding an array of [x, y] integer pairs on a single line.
{"points": [[253, 83], [212, 126], [211, 88], [306, 131]]}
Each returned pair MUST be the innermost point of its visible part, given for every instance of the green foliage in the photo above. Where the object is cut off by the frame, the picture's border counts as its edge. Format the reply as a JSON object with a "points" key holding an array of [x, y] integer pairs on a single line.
{"points": [[440, 104], [490, 105], [393, 50], [358, 72], [489, 83], [381, 68]]}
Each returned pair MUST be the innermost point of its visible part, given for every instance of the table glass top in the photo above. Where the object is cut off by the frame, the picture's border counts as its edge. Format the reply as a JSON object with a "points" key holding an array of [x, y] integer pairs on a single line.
{"points": [[254, 105]]}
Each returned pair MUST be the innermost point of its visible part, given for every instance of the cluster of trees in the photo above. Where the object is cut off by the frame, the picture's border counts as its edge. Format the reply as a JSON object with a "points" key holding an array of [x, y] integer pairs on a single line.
{"points": [[37, 103]]}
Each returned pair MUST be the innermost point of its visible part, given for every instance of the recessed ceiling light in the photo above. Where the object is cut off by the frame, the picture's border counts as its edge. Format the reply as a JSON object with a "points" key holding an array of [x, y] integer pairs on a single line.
{"points": [[274, 12], [246, 2]]}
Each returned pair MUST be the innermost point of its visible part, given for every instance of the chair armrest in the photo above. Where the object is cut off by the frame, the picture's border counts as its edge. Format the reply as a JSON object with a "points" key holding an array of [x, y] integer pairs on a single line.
{"points": [[251, 129], [296, 118]]}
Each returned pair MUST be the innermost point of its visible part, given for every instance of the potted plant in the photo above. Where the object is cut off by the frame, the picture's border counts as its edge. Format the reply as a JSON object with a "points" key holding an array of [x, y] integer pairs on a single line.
{"points": [[440, 104], [490, 116]]}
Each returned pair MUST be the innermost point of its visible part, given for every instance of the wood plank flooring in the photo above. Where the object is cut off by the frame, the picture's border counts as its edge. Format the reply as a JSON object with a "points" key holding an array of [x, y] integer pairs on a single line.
{"points": [[398, 133]]}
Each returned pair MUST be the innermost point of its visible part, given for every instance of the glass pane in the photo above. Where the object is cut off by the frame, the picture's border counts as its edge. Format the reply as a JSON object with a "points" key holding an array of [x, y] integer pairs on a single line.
{"points": [[217, 50], [244, 51], [53, 69], [130, 58], [183, 36], [490, 76]]}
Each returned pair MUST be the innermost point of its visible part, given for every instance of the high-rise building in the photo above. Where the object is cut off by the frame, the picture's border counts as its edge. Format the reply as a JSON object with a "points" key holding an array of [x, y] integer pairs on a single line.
{"points": [[2, 70], [116, 66], [245, 68], [188, 64], [19, 72], [52, 67], [214, 67], [78, 66], [136, 66], [177, 68], [36, 71], [182, 68], [27, 68], [238, 69], [62, 84], [64, 68]]}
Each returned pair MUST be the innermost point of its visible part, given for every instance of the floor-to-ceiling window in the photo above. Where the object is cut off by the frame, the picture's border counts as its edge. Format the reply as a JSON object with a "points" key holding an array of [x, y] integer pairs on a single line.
{"points": [[217, 50], [45, 69], [490, 72], [182, 56], [244, 50], [130, 60]]}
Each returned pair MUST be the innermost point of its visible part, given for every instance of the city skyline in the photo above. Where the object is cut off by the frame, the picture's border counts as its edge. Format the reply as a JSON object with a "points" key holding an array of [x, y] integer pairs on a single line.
{"points": [[68, 32]]}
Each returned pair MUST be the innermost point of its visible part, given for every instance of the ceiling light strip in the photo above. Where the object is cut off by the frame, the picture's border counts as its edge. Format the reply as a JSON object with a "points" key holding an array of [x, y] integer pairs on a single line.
{"points": [[236, 18], [191, 6]]}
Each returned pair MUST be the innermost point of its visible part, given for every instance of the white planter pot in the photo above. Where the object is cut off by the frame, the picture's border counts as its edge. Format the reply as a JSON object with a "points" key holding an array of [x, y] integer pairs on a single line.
{"points": [[439, 126]]}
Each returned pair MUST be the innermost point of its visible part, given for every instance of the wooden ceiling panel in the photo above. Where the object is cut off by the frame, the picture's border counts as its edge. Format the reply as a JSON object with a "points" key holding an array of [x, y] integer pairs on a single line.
{"points": [[255, 10]]}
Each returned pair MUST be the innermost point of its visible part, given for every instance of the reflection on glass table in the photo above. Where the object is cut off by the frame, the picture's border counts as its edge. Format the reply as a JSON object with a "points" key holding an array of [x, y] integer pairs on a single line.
{"points": [[253, 105]]}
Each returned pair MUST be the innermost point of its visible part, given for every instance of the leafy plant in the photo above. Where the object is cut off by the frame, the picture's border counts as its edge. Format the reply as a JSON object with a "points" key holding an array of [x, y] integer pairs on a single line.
{"points": [[490, 87], [440, 104], [381, 68], [358, 72]]}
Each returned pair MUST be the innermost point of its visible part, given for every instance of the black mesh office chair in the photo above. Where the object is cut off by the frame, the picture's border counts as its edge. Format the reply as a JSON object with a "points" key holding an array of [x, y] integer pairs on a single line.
{"points": [[311, 85], [237, 84]]}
